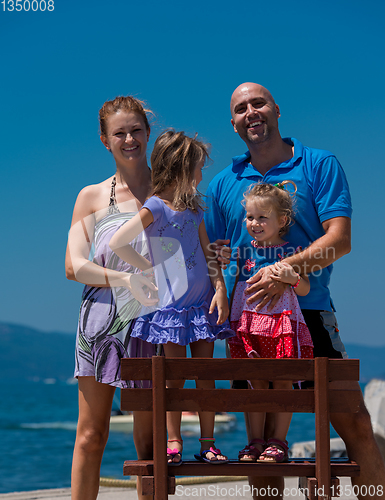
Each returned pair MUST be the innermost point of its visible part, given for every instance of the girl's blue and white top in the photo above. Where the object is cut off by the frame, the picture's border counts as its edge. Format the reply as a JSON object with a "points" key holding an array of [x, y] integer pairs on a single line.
{"points": [[181, 275]]}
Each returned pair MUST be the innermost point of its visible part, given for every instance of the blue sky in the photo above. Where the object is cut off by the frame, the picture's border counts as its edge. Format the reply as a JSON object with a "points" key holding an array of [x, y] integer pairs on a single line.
{"points": [[322, 61]]}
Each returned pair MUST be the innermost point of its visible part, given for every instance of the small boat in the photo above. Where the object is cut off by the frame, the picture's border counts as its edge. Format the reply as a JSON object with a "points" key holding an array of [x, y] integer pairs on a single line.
{"points": [[190, 421]]}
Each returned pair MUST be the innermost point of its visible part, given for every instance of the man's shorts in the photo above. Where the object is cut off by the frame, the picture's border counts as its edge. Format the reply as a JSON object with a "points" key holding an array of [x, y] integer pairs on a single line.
{"points": [[325, 335]]}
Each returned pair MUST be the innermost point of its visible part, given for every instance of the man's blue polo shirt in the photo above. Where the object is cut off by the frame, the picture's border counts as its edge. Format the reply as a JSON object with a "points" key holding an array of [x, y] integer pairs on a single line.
{"points": [[322, 194]]}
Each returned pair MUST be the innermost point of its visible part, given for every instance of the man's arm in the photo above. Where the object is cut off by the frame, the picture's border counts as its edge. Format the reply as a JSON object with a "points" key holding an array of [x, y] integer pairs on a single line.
{"points": [[335, 243]]}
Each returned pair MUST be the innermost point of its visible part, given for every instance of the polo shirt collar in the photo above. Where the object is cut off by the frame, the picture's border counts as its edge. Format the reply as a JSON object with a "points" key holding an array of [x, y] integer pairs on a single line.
{"points": [[244, 168]]}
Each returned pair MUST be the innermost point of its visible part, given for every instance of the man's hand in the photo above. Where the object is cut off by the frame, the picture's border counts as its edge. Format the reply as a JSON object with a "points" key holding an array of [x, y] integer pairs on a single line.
{"points": [[264, 289], [223, 252], [282, 271]]}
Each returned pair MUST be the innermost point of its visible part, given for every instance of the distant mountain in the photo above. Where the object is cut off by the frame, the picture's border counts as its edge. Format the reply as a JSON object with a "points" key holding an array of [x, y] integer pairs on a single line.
{"points": [[26, 353]]}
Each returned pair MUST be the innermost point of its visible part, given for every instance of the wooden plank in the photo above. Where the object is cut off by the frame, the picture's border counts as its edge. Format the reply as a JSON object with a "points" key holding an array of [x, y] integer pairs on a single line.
{"points": [[235, 369], [148, 485], [344, 369], [234, 468], [159, 426], [258, 369], [341, 401], [136, 369], [138, 468], [322, 427], [308, 485], [136, 399], [239, 400]]}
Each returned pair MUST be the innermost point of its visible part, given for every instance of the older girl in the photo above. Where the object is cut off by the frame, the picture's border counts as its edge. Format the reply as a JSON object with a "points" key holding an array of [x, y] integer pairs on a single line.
{"points": [[192, 308]]}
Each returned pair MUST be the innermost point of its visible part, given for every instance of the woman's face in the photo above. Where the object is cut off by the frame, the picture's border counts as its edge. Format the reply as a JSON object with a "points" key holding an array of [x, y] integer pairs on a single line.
{"points": [[127, 137]]}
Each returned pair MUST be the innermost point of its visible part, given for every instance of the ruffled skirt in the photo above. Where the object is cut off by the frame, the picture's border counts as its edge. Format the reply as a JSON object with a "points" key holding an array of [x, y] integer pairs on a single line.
{"points": [[270, 336], [181, 326]]}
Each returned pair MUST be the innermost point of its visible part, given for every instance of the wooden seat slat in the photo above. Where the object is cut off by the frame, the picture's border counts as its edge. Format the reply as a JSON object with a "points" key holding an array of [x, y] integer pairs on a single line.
{"points": [[238, 369], [136, 369], [239, 401], [234, 468]]}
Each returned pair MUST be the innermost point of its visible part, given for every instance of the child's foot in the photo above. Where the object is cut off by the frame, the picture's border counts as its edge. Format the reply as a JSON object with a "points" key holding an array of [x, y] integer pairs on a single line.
{"points": [[174, 456], [252, 451], [275, 452], [210, 455]]}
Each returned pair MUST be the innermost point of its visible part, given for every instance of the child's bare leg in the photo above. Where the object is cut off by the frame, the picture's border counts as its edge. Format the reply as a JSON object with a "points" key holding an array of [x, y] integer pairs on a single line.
{"points": [[282, 420], [256, 421], [204, 349], [276, 450], [172, 350]]}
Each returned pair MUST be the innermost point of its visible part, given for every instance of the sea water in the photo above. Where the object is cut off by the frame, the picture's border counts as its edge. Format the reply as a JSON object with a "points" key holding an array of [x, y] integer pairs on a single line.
{"points": [[38, 426]]}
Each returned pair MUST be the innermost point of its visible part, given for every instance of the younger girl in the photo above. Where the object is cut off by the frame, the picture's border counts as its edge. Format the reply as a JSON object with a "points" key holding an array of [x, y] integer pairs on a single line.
{"points": [[179, 248], [277, 333]]}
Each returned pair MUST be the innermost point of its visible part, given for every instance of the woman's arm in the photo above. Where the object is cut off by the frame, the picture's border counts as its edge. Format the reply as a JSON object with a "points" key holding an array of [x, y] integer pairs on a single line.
{"points": [[80, 237], [120, 242], [79, 268], [220, 298]]}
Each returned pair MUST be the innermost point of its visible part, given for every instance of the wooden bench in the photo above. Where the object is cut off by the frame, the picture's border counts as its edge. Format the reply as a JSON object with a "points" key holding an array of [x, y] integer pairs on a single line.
{"points": [[159, 479]]}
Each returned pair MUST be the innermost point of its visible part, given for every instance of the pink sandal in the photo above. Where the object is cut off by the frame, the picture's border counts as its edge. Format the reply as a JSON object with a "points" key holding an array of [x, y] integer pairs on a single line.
{"points": [[275, 452], [251, 450], [171, 454]]}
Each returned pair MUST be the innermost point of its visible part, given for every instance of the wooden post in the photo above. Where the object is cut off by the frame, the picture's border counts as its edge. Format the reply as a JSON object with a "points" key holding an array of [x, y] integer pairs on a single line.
{"points": [[322, 425], [159, 426]]}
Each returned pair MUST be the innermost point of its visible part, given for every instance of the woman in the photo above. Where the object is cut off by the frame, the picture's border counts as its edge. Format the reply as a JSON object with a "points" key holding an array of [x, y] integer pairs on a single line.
{"points": [[108, 306]]}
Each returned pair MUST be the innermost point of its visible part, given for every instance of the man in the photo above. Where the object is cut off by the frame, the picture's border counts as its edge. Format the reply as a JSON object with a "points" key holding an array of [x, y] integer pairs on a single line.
{"points": [[321, 229]]}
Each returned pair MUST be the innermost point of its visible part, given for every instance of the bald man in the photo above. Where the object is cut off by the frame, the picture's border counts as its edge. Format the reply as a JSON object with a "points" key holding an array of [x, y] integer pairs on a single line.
{"points": [[322, 229]]}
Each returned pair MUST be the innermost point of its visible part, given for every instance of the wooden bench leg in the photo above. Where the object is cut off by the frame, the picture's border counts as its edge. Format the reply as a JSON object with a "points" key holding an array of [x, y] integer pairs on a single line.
{"points": [[308, 486], [148, 485]]}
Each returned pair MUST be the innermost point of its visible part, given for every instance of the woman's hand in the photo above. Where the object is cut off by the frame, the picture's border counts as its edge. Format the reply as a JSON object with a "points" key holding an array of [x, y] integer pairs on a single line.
{"points": [[220, 302], [264, 289], [142, 288], [283, 271]]}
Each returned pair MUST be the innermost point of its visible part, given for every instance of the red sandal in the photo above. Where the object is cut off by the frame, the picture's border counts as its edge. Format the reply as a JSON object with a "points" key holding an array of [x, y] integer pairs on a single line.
{"points": [[251, 450], [275, 452]]}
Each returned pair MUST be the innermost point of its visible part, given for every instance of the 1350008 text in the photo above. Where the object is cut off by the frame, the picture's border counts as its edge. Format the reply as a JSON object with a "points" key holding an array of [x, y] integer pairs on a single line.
{"points": [[28, 5]]}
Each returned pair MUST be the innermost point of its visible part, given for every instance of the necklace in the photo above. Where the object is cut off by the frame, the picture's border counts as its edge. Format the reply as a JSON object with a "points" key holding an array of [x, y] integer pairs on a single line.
{"points": [[255, 245]]}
